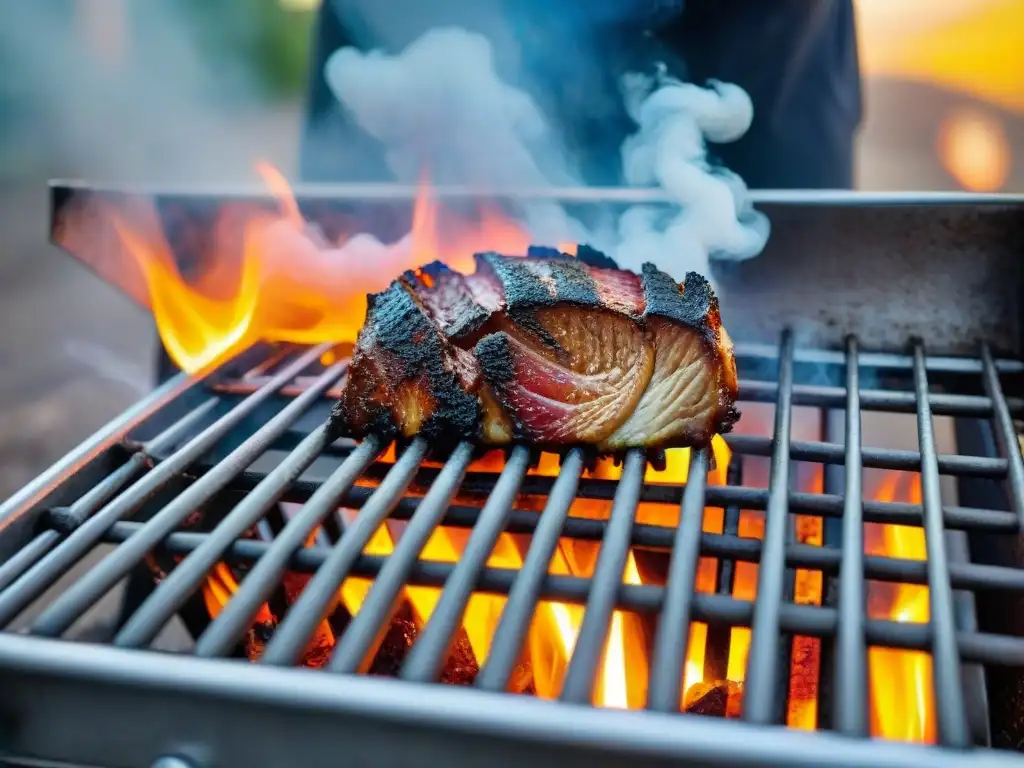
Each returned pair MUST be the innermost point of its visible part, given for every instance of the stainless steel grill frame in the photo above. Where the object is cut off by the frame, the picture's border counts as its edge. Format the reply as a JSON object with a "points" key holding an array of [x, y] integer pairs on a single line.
{"points": [[253, 429]]}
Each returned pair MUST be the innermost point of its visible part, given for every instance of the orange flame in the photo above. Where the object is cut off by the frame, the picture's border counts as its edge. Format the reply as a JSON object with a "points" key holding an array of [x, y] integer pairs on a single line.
{"points": [[902, 703], [276, 278]]}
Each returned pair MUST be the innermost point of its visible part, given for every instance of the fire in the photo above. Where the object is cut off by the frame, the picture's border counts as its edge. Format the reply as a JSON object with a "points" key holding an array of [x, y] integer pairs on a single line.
{"points": [[902, 701], [275, 277]]}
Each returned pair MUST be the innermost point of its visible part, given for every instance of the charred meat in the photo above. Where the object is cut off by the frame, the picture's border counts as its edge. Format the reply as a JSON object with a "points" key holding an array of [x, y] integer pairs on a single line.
{"points": [[548, 350]]}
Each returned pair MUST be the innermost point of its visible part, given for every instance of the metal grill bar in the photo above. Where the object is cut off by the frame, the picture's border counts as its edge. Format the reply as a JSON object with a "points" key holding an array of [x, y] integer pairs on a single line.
{"points": [[798, 619], [675, 605], [877, 360], [238, 711], [321, 593], [235, 617], [877, 458], [72, 517], [820, 505], [63, 612], [1005, 433], [84, 537], [761, 684], [41, 576], [172, 593], [949, 700], [664, 691], [887, 400], [27, 556], [966, 576], [522, 599], [754, 390], [423, 664], [371, 623], [850, 702], [719, 636], [581, 674]]}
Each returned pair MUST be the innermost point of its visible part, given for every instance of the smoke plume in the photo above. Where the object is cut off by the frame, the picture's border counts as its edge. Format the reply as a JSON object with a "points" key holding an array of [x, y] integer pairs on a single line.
{"points": [[440, 106]]}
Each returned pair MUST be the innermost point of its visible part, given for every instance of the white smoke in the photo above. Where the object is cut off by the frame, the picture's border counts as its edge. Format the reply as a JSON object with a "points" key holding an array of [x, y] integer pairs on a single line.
{"points": [[713, 213], [440, 106]]}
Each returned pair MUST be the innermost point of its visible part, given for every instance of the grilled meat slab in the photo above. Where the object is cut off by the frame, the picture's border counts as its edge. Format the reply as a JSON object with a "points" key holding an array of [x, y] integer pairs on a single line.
{"points": [[550, 350]]}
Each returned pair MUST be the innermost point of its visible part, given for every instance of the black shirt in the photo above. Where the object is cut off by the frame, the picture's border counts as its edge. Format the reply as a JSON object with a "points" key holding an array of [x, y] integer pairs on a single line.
{"points": [[796, 58]]}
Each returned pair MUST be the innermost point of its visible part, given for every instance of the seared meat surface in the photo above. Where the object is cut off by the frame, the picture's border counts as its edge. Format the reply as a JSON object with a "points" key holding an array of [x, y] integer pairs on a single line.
{"points": [[549, 350]]}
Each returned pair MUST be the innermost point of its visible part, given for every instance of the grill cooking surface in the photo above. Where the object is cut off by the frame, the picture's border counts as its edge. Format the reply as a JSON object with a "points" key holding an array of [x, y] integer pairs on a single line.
{"points": [[192, 477]]}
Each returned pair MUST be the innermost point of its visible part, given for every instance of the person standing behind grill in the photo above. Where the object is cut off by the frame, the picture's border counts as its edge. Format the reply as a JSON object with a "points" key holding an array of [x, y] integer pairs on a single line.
{"points": [[797, 59]]}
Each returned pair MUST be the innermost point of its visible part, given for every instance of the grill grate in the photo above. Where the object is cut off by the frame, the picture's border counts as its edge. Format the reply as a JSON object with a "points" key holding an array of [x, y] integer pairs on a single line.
{"points": [[138, 486]]}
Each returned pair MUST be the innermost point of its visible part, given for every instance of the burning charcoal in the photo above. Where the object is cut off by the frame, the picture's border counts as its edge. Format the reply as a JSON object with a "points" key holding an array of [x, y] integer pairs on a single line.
{"points": [[721, 699], [461, 667], [395, 645]]}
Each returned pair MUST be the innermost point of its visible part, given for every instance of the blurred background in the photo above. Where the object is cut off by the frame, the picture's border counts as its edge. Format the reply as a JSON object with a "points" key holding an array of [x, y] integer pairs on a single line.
{"points": [[193, 91]]}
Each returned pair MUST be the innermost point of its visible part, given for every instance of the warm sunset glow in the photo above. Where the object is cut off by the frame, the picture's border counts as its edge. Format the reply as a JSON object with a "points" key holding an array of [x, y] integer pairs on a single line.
{"points": [[975, 150]]}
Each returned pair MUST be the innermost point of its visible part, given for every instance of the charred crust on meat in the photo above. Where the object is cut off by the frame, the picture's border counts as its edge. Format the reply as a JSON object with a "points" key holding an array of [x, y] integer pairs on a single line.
{"points": [[495, 355], [466, 316], [574, 284], [691, 303], [527, 286], [437, 354], [393, 320], [595, 258], [373, 419], [523, 287]]}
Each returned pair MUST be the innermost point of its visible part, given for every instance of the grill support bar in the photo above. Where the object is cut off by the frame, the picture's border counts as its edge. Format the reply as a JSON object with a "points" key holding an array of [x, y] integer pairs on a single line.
{"points": [[224, 631], [581, 674], [63, 612], [760, 690], [797, 619], [236, 711], [522, 599], [668, 657], [949, 699], [850, 700]]}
